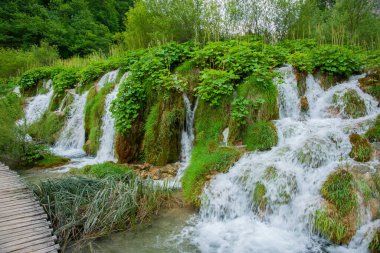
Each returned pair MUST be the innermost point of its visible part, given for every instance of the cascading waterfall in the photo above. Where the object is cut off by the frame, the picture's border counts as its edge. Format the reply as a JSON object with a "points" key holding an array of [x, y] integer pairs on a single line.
{"points": [[72, 137], [38, 105], [187, 136], [107, 78], [292, 173], [106, 149]]}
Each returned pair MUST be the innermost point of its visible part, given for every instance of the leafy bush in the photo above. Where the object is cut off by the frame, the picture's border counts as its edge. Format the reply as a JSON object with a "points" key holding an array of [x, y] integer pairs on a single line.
{"points": [[240, 110], [301, 61], [336, 60], [65, 79], [31, 77], [261, 136], [215, 84], [92, 72]]}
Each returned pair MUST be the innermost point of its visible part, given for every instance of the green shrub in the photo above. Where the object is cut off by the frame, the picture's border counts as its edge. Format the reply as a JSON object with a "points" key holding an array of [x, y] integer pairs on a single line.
{"points": [[215, 85], [92, 72], [31, 77], [361, 150], [240, 110], [46, 130], [261, 135], [301, 61], [336, 60], [66, 79]]}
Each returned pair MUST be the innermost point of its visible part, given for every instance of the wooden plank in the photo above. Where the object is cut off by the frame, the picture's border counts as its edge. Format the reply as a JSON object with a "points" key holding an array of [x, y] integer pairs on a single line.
{"points": [[29, 241], [20, 236], [30, 208], [21, 227], [14, 205], [26, 230], [21, 214], [23, 220]]}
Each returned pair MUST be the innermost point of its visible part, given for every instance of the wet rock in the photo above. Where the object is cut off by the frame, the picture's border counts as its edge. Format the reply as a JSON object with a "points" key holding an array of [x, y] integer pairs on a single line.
{"points": [[350, 104], [304, 104], [147, 170]]}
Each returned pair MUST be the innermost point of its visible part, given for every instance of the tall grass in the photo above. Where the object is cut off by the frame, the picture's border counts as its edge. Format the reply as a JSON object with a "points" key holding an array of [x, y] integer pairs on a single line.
{"points": [[81, 208]]}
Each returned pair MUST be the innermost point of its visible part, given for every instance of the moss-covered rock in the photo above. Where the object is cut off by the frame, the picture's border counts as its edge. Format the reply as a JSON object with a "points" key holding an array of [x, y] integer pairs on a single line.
{"points": [[49, 161], [313, 153], [374, 246], [261, 136], [350, 104], [337, 220], [371, 83], [361, 150], [373, 133], [47, 129], [259, 198]]}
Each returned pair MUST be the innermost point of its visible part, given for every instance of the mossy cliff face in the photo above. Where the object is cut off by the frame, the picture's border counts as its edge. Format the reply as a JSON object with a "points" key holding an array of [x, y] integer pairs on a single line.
{"points": [[162, 140]]}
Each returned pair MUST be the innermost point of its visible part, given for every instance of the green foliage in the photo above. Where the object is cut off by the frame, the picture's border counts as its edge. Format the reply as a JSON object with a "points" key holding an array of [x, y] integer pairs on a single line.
{"points": [[330, 227], [103, 170], [301, 61], [261, 135], [338, 189], [336, 60], [92, 72], [240, 110], [215, 85], [361, 150], [373, 133], [31, 77], [76, 206], [49, 161], [65, 79], [47, 129]]}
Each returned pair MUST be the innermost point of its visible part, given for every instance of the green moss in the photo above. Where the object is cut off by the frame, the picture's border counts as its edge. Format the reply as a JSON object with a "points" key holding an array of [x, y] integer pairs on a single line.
{"points": [[260, 136], [338, 189], [50, 161], [163, 132], [361, 149], [94, 110], [350, 103], [374, 246], [47, 129], [270, 173], [102, 170], [259, 198], [373, 133], [207, 156], [371, 83]]}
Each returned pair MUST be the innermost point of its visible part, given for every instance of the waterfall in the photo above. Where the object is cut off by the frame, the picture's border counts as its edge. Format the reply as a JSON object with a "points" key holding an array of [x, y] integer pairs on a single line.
{"points": [[106, 149], [107, 78], [38, 105], [72, 138], [292, 173], [225, 133], [187, 136]]}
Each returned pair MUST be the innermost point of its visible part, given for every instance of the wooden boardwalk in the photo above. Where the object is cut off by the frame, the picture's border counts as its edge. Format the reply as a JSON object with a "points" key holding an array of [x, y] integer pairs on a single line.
{"points": [[23, 223]]}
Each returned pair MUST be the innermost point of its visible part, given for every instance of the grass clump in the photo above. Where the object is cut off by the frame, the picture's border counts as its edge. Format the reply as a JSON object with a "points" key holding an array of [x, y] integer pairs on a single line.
{"points": [[49, 161], [82, 208], [374, 246], [260, 136], [102, 170], [259, 197], [47, 129], [361, 149], [337, 222], [373, 133]]}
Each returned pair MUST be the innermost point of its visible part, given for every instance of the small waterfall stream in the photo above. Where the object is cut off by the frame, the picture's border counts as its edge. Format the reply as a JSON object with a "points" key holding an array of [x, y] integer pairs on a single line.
{"points": [[38, 105], [187, 136], [107, 141], [292, 173]]}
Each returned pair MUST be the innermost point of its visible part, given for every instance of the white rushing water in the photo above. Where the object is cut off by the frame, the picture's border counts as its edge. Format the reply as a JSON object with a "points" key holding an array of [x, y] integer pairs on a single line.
{"points": [[38, 105], [107, 78], [187, 136], [106, 150], [71, 140], [308, 150]]}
